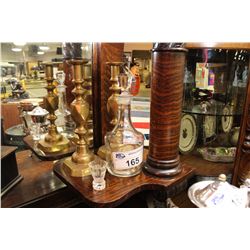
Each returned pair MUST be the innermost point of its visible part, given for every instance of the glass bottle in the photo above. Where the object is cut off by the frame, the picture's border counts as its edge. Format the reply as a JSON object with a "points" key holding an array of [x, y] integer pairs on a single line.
{"points": [[124, 143], [64, 119]]}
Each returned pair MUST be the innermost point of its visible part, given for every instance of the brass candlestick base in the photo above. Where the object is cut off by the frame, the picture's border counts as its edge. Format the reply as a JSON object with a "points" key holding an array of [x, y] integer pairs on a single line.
{"points": [[53, 142], [75, 169], [77, 164], [102, 152]]}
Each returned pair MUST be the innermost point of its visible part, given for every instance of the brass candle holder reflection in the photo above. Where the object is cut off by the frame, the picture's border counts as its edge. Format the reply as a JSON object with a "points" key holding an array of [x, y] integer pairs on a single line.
{"points": [[87, 85], [112, 106], [53, 142], [77, 164]]}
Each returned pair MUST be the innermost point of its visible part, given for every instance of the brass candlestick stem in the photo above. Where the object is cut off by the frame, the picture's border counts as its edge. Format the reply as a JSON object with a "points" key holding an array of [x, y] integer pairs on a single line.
{"points": [[87, 85], [77, 164], [53, 141], [112, 105]]}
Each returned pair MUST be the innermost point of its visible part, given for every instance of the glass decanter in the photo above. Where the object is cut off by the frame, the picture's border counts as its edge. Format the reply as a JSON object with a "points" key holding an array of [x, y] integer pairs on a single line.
{"points": [[64, 120], [124, 143]]}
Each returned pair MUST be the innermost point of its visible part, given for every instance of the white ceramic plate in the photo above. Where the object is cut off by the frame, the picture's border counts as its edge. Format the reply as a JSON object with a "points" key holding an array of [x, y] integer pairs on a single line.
{"points": [[188, 134]]}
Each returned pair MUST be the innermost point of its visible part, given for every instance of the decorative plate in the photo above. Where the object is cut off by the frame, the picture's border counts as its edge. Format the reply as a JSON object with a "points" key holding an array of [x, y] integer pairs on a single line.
{"points": [[226, 121], [188, 133], [219, 154], [209, 126]]}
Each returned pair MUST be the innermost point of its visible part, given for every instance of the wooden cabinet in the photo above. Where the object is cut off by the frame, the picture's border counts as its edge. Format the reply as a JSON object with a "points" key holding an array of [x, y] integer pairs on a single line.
{"points": [[241, 165]]}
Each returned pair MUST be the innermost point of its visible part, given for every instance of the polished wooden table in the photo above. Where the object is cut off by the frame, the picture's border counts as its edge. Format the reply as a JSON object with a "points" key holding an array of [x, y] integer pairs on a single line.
{"points": [[40, 187], [119, 189]]}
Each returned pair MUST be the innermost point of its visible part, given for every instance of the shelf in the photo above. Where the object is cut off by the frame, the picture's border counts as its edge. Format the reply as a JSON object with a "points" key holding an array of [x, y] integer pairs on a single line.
{"points": [[217, 45], [49, 156], [39, 187], [217, 109], [120, 189], [207, 168]]}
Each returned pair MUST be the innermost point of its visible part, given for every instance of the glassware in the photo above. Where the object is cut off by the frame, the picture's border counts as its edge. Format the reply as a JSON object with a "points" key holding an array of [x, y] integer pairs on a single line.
{"points": [[64, 119], [124, 143], [35, 131], [98, 170]]}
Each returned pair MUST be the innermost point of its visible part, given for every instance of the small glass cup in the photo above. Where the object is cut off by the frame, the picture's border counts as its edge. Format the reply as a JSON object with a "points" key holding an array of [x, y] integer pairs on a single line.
{"points": [[98, 170]]}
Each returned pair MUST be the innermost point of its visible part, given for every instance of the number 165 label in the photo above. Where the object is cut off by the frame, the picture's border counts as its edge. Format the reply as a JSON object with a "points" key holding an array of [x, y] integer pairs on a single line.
{"points": [[127, 160]]}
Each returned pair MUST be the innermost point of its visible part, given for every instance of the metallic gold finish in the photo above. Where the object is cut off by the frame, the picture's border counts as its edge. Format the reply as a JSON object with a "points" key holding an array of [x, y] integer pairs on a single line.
{"points": [[53, 141], [102, 151], [112, 106], [77, 164], [87, 85]]}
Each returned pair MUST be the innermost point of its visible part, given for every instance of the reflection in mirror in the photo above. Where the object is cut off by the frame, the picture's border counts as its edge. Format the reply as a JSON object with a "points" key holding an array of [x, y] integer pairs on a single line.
{"points": [[138, 58], [213, 100], [215, 84], [22, 77]]}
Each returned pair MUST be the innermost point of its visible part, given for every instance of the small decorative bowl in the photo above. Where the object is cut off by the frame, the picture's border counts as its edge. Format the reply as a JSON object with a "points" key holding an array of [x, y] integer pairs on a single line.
{"points": [[218, 154]]}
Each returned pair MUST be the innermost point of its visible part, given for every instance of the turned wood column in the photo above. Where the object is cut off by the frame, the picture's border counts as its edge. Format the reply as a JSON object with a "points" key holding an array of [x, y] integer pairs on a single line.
{"points": [[165, 110]]}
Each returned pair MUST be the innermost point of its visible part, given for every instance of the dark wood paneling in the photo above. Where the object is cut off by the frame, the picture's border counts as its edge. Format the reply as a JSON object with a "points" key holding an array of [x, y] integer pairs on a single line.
{"points": [[39, 182], [216, 45], [10, 115], [96, 94], [242, 162]]}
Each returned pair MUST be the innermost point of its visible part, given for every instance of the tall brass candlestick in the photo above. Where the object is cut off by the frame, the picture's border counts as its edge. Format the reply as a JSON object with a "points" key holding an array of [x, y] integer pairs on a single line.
{"points": [[87, 85], [78, 162], [53, 141], [112, 106]]}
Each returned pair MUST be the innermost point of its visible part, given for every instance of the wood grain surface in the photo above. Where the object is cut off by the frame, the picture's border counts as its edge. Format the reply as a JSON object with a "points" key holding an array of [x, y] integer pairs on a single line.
{"points": [[38, 181], [6, 150], [166, 106], [118, 189], [10, 115], [207, 168]]}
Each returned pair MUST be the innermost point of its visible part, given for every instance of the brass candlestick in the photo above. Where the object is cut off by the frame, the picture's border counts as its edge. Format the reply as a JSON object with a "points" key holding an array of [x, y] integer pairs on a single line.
{"points": [[112, 105], [87, 85], [53, 141], [77, 164]]}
